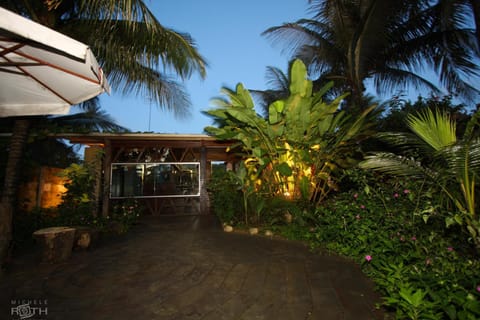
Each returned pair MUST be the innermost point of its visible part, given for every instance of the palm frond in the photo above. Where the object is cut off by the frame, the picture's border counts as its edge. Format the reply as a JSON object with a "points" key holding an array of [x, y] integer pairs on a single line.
{"points": [[437, 130], [388, 79], [393, 164], [136, 51], [93, 119], [167, 93], [392, 42], [463, 158]]}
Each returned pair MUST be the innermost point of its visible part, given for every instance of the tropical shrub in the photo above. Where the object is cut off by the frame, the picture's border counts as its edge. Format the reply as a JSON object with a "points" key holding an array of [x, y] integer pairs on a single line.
{"points": [[302, 146], [225, 196], [124, 215], [235, 202], [445, 164]]}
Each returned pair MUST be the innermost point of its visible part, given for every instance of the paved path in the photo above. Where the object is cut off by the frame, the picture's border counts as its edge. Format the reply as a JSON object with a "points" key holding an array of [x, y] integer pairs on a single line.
{"points": [[184, 268]]}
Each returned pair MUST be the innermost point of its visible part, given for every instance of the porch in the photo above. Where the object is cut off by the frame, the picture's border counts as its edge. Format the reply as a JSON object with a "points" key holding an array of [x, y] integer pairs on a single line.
{"points": [[166, 173]]}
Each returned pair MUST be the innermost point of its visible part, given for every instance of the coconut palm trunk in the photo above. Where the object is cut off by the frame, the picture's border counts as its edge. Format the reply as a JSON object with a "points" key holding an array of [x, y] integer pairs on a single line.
{"points": [[7, 202]]}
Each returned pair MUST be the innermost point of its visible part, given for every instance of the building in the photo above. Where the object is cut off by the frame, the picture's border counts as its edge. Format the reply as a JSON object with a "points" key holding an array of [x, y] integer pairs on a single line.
{"points": [[167, 172]]}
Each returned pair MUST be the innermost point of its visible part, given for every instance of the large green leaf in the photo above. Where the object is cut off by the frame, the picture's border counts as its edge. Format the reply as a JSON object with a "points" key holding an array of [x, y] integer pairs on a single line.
{"points": [[284, 169], [299, 83], [275, 111]]}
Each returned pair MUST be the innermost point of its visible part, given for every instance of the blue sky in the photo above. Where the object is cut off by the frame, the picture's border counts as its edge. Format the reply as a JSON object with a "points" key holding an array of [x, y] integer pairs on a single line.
{"points": [[227, 34]]}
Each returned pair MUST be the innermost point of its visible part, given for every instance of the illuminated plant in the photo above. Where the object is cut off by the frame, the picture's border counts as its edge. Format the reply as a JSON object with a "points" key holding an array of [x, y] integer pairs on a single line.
{"points": [[298, 149]]}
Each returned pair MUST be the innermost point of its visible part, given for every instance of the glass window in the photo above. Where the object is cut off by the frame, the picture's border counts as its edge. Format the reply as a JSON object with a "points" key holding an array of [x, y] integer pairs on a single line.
{"points": [[178, 179]]}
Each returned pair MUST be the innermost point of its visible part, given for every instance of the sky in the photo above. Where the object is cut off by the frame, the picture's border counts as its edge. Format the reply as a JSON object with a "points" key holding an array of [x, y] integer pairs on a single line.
{"points": [[228, 35]]}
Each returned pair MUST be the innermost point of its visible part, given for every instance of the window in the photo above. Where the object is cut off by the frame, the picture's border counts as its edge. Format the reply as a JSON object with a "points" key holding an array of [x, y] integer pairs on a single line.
{"points": [[165, 179]]}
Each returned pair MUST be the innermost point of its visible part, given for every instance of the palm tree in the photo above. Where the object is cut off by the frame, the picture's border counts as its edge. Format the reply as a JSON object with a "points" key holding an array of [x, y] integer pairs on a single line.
{"points": [[133, 49], [387, 42]]}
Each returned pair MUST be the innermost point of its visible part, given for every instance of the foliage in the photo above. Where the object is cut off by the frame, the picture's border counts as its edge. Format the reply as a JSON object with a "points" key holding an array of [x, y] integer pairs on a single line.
{"points": [[423, 269], [434, 155], [397, 109], [236, 204], [78, 207], [299, 150], [79, 186], [225, 196], [125, 214]]}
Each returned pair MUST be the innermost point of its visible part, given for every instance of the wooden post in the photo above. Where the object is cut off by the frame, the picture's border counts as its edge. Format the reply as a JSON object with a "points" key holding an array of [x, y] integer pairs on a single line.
{"points": [[93, 157], [38, 198], [204, 205], [107, 163]]}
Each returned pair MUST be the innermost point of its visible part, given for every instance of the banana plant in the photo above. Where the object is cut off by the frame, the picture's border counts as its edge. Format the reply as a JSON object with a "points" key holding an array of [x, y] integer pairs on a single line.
{"points": [[296, 150], [433, 153]]}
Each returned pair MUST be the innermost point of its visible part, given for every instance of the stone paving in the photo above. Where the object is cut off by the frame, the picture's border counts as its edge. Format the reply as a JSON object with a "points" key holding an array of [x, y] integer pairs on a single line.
{"points": [[188, 268]]}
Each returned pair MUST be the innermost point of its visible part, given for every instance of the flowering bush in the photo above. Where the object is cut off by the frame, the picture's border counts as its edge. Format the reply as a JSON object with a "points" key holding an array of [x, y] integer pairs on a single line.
{"points": [[423, 269], [125, 214]]}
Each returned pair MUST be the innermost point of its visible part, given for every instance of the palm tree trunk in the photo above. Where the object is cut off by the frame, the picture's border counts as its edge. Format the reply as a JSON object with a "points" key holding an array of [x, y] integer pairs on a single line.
{"points": [[7, 202]]}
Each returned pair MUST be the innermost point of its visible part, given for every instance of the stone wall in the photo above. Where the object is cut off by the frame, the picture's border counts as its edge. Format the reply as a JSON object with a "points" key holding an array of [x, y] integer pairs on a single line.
{"points": [[44, 190]]}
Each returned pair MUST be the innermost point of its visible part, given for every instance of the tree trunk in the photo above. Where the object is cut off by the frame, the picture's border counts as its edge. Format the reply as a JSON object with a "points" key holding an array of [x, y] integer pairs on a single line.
{"points": [[56, 243], [7, 202]]}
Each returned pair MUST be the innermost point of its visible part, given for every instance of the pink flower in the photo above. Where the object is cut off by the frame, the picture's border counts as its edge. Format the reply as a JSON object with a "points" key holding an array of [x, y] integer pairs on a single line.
{"points": [[395, 195], [478, 288], [355, 195], [406, 191], [357, 217], [414, 238], [368, 258], [428, 261], [450, 249], [362, 207]]}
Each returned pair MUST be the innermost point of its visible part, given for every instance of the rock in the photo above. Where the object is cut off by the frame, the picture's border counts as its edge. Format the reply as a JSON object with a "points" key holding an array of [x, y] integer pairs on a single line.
{"points": [[288, 217], [85, 237], [83, 241], [228, 228], [268, 233], [253, 231]]}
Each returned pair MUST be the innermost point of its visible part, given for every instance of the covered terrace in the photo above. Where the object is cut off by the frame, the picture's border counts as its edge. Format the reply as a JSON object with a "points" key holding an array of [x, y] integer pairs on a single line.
{"points": [[166, 172]]}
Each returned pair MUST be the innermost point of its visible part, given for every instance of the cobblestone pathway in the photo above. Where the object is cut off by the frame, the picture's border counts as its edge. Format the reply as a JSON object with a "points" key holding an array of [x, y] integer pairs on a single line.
{"points": [[181, 269]]}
